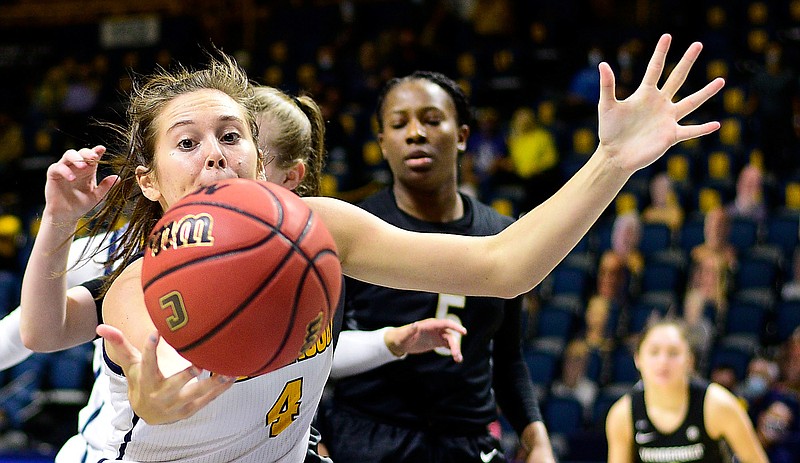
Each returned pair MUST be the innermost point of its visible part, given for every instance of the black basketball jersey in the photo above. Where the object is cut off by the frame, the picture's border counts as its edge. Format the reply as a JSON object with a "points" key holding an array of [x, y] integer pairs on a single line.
{"points": [[431, 391], [689, 443]]}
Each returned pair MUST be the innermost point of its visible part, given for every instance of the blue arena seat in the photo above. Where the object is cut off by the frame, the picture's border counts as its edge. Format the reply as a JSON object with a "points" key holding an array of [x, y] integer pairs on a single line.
{"points": [[605, 399], [562, 415], [555, 321], [662, 276], [745, 319], [744, 233], [542, 365], [656, 237], [691, 233], [782, 231], [623, 369], [734, 357], [755, 272], [641, 312], [595, 366], [569, 280], [787, 315]]}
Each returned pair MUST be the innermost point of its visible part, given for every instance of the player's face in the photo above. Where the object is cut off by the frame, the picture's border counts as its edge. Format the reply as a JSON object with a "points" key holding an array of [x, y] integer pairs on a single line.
{"points": [[663, 358], [202, 137], [421, 136]]}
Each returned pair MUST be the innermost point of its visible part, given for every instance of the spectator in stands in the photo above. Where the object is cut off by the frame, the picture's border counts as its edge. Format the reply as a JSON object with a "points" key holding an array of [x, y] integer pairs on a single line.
{"points": [[724, 375], [789, 363], [791, 288], [664, 206], [583, 89], [705, 304], [626, 235], [597, 333], [776, 430], [749, 202], [759, 386], [716, 242], [613, 280], [485, 162], [534, 155], [574, 381], [773, 88]]}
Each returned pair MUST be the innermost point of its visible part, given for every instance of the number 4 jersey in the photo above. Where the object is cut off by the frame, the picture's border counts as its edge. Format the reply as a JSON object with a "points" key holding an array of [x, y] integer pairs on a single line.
{"points": [[261, 419]]}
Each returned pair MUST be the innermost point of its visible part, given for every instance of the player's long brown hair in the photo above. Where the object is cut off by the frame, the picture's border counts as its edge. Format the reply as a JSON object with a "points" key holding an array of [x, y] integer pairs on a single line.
{"points": [[138, 138]]}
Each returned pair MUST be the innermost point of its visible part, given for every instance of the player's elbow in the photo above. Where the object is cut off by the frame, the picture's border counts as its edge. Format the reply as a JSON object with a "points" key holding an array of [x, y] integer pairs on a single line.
{"points": [[29, 340], [36, 341]]}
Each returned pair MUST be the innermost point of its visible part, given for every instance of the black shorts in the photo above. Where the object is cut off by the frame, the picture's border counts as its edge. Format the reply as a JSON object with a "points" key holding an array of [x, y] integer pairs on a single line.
{"points": [[354, 438]]}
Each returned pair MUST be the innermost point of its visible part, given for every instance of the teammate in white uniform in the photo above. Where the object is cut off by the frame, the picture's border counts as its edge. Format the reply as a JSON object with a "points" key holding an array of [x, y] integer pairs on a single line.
{"points": [[93, 419]]}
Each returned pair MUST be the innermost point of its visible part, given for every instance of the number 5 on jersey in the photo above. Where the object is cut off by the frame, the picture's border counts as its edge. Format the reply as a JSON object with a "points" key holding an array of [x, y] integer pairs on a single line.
{"points": [[446, 301]]}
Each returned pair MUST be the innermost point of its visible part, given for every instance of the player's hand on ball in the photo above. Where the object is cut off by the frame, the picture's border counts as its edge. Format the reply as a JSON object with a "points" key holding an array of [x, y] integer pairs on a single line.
{"points": [[155, 398], [426, 335]]}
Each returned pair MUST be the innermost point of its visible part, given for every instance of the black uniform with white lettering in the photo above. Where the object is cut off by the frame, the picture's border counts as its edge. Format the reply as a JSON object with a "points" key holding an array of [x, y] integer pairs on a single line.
{"points": [[426, 407], [689, 443]]}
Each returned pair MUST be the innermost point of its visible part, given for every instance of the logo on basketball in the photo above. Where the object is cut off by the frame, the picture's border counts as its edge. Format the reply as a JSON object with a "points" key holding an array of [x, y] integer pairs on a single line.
{"points": [[312, 331], [189, 230], [174, 303]]}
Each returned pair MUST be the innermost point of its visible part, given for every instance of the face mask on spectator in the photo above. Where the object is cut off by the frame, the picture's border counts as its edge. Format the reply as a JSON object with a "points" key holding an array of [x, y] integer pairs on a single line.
{"points": [[754, 387]]}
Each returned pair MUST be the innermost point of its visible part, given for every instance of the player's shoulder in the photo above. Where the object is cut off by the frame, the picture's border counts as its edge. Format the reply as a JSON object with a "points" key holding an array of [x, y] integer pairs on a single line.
{"points": [[619, 418], [380, 201], [719, 399], [486, 214], [621, 406], [128, 279]]}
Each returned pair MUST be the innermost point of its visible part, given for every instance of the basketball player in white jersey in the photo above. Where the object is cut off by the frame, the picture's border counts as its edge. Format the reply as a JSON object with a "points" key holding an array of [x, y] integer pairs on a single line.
{"points": [[361, 350], [207, 134]]}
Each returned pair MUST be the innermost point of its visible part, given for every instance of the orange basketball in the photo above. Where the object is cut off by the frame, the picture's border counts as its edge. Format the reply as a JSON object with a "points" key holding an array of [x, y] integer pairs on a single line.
{"points": [[240, 277]]}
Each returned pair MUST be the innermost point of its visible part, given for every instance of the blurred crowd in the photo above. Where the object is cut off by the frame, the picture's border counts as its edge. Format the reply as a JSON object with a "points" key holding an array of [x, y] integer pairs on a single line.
{"points": [[710, 232]]}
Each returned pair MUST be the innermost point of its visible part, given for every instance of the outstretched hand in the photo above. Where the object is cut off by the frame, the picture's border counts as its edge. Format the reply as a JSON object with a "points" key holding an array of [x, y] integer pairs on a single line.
{"points": [[156, 399], [72, 189], [636, 131], [426, 335]]}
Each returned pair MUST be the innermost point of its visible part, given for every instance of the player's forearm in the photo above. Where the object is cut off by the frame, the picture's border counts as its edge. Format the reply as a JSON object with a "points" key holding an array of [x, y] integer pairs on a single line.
{"points": [[530, 248], [536, 443], [43, 298], [360, 351]]}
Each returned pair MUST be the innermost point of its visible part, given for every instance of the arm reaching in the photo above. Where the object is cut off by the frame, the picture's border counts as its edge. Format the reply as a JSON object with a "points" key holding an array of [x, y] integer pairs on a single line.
{"points": [[633, 133], [47, 322], [360, 351]]}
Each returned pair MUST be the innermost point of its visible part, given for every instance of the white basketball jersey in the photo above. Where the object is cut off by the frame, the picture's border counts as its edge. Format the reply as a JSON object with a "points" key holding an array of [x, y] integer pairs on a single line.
{"points": [[94, 420], [262, 419]]}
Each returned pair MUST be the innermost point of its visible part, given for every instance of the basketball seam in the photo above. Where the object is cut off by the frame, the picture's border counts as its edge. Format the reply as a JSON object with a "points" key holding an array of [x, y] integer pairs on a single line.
{"points": [[295, 249], [327, 308]]}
